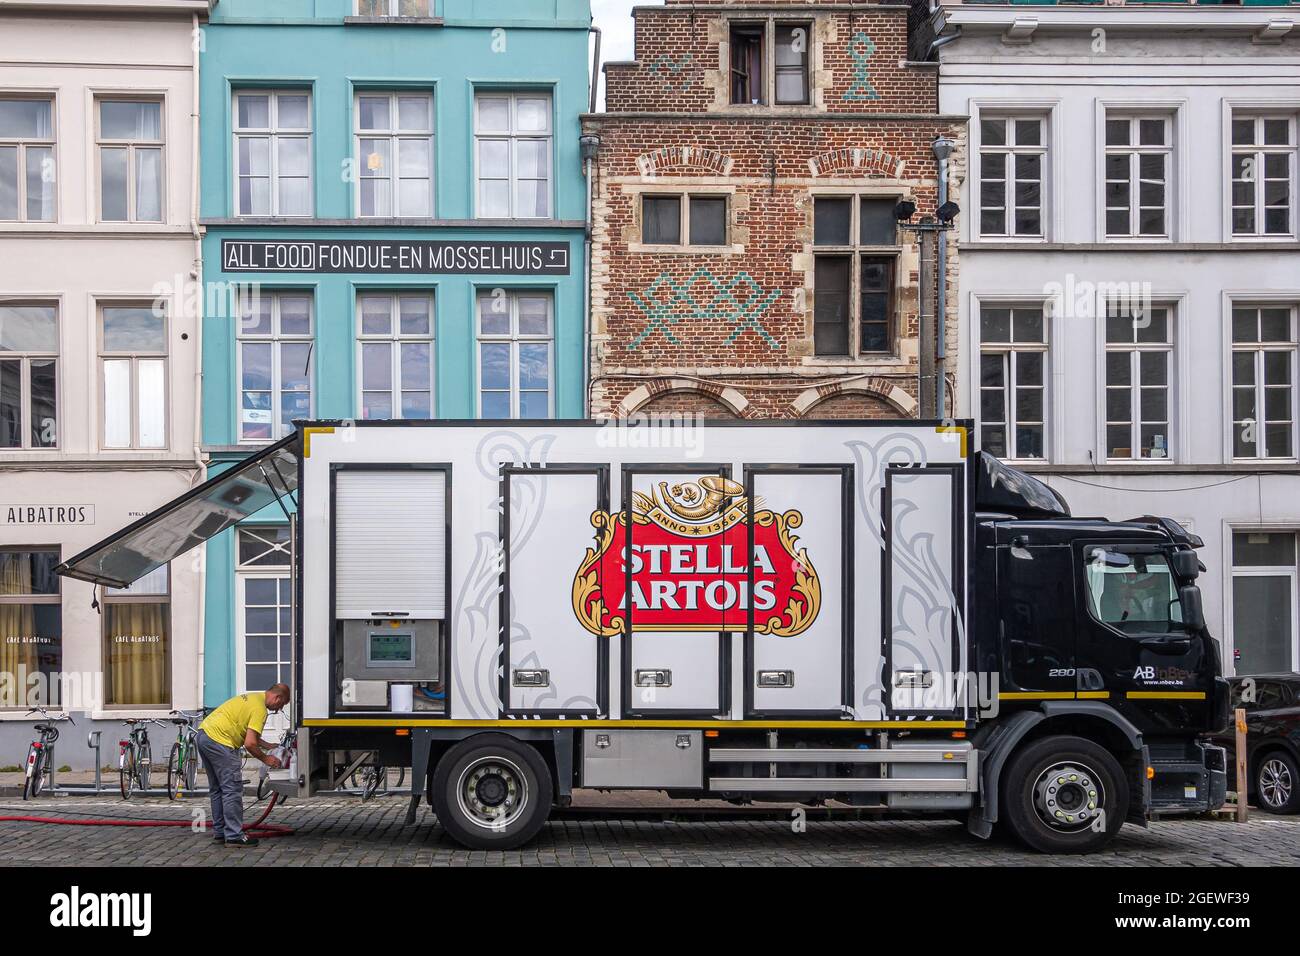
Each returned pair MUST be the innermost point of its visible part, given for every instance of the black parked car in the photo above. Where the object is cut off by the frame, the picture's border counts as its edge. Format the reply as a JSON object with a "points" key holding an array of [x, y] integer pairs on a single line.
{"points": [[1272, 704]]}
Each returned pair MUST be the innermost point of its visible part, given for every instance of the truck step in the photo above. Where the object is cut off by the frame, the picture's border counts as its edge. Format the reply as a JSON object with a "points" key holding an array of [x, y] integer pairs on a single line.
{"points": [[810, 755], [842, 784]]}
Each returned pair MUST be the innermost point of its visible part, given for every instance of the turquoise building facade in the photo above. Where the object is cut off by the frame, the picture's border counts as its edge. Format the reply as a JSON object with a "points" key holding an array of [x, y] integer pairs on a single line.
{"points": [[393, 207]]}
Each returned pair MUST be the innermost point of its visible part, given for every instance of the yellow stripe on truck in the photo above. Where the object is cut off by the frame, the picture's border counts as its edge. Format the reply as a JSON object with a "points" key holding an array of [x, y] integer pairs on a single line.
{"points": [[593, 724]]}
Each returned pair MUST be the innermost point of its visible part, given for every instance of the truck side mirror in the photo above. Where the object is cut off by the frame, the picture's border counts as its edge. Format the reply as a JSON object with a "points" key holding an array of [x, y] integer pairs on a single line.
{"points": [[1193, 610], [1186, 565]]}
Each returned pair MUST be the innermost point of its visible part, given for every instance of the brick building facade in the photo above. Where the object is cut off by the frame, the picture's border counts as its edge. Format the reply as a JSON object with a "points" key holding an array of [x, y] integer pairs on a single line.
{"points": [[745, 258]]}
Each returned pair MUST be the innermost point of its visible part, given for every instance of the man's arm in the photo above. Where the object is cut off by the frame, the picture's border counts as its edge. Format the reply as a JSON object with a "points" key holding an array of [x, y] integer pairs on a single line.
{"points": [[254, 744]]}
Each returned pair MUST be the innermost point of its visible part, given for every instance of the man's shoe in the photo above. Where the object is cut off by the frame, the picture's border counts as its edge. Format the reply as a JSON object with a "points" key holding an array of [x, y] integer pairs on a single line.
{"points": [[243, 841], [218, 838]]}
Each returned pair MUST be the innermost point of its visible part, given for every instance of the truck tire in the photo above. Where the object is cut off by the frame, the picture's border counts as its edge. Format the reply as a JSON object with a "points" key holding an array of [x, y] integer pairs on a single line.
{"points": [[1277, 782], [491, 792], [1064, 795]]}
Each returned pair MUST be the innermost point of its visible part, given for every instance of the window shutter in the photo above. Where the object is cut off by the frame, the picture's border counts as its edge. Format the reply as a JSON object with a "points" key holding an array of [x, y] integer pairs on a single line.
{"points": [[390, 543]]}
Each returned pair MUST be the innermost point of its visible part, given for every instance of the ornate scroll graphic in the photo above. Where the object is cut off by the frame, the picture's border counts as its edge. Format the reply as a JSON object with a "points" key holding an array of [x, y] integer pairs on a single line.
{"points": [[684, 565]]}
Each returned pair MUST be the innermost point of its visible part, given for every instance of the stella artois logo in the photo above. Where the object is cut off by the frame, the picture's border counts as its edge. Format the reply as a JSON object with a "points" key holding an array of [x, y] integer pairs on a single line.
{"points": [[688, 555]]}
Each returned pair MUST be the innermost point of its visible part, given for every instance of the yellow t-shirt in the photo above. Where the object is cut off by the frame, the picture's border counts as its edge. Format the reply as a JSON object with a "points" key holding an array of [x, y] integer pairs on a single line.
{"points": [[230, 722]]}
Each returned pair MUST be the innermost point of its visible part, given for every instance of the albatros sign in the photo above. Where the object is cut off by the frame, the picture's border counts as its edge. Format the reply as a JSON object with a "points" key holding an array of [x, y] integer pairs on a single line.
{"points": [[396, 256]]}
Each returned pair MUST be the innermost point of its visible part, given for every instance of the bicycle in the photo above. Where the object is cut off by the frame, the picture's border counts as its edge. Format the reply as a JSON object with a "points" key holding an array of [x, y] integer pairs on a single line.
{"points": [[40, 755], [370, 778], [183, 761], [135, 756]]}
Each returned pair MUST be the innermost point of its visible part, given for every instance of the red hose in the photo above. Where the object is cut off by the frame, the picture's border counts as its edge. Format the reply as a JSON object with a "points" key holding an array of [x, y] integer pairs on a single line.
{"points": [[256, 828]]}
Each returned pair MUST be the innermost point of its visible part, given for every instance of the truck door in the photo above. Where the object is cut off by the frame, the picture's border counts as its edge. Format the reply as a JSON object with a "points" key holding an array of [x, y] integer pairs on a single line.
{"points": [[553, 666], [798, 642], [924, 589], [1133, 636], [1036, 615]]}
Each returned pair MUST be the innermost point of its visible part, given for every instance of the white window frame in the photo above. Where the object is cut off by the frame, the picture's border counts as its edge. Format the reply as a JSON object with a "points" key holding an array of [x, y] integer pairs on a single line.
{"points": [[394, 8], [133, 148], [106, 356], [24, 145], [1290, 572], [515, 339], [395, 137], [273, 133], [1258, 152], [1173, 377], [395, 339], [1258, 350], [24, 360], [275, 339], [1009, 181], [1134, 150], [1009, 352], [513, 137]]}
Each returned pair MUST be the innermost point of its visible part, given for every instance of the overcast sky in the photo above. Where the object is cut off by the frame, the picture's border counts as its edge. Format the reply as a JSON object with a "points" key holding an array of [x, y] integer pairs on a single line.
{"points": [[614, 17]]}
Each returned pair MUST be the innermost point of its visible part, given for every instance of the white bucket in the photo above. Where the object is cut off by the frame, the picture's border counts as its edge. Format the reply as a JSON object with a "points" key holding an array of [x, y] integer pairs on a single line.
{"points": [[402, 697]]}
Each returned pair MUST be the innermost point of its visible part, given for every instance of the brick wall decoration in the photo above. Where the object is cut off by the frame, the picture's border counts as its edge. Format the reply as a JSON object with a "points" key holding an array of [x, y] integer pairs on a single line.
{"points": [[739, 302], [676, 76], [861, 49]]}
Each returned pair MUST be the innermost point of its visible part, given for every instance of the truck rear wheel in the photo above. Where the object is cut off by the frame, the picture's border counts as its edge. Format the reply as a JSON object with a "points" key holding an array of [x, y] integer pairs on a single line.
{"points": [[491, 792], [1064, 795]]}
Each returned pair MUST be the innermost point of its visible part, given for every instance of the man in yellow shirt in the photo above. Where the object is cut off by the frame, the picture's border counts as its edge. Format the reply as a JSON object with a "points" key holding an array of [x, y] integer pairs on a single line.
{"points": [[236, 723]]}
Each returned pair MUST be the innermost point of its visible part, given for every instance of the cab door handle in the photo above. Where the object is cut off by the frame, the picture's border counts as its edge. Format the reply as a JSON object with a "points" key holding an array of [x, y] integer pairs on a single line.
{"points": [[1166, 644]]}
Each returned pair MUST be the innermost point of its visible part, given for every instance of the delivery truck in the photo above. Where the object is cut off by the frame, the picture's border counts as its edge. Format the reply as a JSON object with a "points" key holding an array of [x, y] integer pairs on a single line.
{"points": [[871, 613]]}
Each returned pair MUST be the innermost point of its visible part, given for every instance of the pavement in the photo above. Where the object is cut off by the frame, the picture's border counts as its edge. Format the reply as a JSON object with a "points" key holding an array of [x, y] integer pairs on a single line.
{"points": [[601, 829]]}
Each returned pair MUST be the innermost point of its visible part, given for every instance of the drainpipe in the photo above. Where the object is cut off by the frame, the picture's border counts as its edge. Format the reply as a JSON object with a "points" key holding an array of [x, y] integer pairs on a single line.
{"points": [[942, 148], [200, 298], [590, 145]]}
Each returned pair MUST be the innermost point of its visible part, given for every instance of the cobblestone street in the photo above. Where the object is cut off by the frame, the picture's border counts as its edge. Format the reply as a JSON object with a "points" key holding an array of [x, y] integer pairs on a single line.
{"points": [[344, 832]]}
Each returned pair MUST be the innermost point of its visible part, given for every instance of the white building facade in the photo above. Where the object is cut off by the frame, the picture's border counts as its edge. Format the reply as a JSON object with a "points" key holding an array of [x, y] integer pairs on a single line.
{"points": [[1131, 276], [98, 352]]}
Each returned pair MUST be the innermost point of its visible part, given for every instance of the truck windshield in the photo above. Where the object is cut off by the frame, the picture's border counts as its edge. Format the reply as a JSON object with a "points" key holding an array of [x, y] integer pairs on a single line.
{"points": [[1134, 593]]}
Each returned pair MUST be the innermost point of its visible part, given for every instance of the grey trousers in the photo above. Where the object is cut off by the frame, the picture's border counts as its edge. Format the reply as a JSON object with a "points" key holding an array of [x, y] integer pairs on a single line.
{"points": [[225, 786]]}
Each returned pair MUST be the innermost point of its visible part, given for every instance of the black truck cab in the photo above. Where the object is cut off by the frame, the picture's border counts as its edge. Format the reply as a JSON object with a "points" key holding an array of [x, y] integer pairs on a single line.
{"points": [[1099, 624]]}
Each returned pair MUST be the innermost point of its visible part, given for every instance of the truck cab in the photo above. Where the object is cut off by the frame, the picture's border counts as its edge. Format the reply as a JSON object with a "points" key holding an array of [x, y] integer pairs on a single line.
{"points": [[1100, 623]]}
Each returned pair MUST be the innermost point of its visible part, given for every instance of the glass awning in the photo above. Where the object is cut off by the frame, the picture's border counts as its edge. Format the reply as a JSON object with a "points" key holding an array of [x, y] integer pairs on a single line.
{"points": [[188, 521]]}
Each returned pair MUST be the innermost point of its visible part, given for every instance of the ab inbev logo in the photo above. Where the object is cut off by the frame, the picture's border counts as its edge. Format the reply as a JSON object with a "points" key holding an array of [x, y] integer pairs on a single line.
{"points": [[75, 909]]}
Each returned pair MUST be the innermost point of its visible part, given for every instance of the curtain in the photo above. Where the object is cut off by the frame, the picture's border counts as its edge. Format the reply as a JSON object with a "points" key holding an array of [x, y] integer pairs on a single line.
{"points": [[138, 650], [18, 653]]}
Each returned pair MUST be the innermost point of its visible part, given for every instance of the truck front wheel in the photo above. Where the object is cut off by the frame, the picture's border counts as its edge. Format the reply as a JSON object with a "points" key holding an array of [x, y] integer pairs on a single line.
{"points": [[1064, 795], [491, 792]]}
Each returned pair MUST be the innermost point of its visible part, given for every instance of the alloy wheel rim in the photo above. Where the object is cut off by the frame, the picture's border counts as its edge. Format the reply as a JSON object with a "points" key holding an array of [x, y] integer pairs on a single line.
{"points": [[1068, 796], [492, 793], [1275, 783]]}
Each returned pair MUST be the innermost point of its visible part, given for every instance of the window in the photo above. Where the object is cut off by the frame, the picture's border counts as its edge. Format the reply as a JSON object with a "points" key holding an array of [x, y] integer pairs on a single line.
{"points": [[702, 220], [856, 242], [1139, 367], [27, 173], [1263, 175], [512, 133], [1138, 151], [749, 63], [31, 623], [514, 346], [133, 360], [1013, 381], [273, 153], [1012, 154], [29, 349], [275, 364], [395, 154], [393, 8], [1265, 635], [1134, 593], [137, 642], [130, 146], [395, 341], [264, 592], [1263, 382]]}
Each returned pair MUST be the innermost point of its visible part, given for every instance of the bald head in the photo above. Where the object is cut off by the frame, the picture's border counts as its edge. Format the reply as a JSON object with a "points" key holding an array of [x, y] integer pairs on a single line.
{"points": [[277, 695]]}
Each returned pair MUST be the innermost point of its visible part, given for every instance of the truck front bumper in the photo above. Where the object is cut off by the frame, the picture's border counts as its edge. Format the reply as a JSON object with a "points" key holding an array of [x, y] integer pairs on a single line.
{"points": [[1195, 781]]}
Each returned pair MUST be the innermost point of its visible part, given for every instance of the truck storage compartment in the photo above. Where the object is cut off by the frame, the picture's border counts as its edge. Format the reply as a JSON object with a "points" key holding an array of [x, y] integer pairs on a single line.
{"points": [[651, 759]]}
